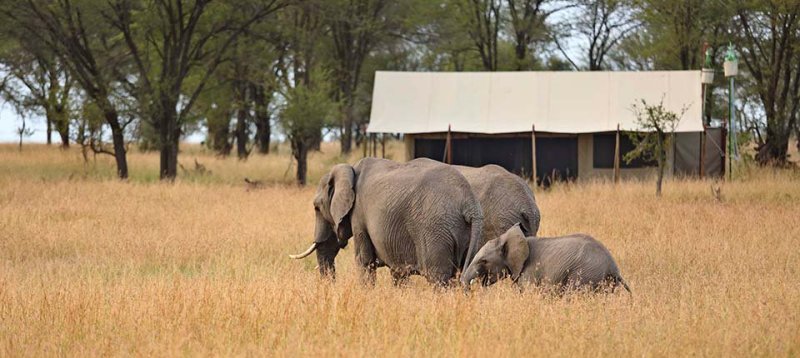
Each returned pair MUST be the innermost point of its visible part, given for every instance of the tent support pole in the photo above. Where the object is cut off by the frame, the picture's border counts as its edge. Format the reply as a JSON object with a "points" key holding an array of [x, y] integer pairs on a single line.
{"points": [[533, 154], [449, 145], [616, 157], [383, 145], [364, 143], [374, 145]]}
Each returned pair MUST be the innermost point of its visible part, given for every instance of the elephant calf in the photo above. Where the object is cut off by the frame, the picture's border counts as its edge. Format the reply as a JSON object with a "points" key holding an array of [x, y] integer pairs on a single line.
{"points": [[567, 262]]}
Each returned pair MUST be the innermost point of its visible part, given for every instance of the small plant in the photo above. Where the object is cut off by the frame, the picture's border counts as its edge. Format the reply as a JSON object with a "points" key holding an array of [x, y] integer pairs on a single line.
{"points": [[656, 125]]}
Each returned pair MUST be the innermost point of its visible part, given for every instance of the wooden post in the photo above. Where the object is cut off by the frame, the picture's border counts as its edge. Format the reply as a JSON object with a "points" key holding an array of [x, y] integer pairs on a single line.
{"points": [[533, 154], [364, 143], [616, 157], [703, 152], [383, 145], [449, 146]]}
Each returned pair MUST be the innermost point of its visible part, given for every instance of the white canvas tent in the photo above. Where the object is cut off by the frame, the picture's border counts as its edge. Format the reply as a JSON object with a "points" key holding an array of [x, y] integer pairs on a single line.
{"points": [[491, 115], [509, 102]]}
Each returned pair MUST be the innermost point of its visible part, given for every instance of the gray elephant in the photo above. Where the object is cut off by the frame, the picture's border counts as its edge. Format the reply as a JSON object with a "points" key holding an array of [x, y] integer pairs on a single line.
{"points": [[419, 217], [505, 199], [569, 262]]}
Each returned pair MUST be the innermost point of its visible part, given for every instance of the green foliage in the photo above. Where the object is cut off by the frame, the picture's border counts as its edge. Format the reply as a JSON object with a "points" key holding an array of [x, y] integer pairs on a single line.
{"points": [[308, 108], [655, 126], [654, 122]]}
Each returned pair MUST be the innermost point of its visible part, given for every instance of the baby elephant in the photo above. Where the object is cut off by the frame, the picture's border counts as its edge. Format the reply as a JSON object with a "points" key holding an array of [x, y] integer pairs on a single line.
{"points": [[569, 262]]}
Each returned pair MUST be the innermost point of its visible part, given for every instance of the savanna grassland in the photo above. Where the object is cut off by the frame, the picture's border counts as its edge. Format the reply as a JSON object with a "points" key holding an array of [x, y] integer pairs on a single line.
{"points": [[90, 266]]}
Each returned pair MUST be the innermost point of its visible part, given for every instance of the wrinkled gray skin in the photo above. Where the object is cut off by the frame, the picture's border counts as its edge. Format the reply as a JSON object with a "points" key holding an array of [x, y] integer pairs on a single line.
{"points": [[505, 199], [576, 261], [418, 217]]}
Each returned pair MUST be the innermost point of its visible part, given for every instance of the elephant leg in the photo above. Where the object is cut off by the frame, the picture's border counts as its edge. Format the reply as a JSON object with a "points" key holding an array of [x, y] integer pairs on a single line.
{"points": [[399, 278], [438, 267], [366, 258]]}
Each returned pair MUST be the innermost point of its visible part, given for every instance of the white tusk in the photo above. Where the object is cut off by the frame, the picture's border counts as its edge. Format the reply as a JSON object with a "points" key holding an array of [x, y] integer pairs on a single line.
{"points": [[305, 253]]}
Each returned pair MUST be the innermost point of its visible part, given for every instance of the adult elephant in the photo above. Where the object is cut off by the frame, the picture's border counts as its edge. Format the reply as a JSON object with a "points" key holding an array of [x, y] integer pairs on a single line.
{"points": [[419, 217], [505, 199]]}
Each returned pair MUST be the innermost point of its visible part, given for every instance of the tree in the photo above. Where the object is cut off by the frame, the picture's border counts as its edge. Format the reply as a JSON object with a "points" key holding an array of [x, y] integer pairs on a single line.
{"points": [[482, 19], [307, 96], [89, 52], [527, 26], [355, 28], [39, 84], [169, 41], [656, 126], [770, 50], [308, 108], [602, 25]]}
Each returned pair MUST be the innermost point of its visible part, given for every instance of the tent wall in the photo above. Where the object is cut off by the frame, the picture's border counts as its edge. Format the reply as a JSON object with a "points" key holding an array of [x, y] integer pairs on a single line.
{"points": [[687, 153], [562, 156], [589, 172]]}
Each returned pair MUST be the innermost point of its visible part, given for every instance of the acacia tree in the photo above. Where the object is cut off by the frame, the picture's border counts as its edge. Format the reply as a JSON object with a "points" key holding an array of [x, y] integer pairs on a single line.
{"points": [[76, 34], [601, 25], [356, 26], [528, 26], [307, 101], [169, 41], [770, 50], [308, 108], [656, 126], [482, 21], [39, 83]]}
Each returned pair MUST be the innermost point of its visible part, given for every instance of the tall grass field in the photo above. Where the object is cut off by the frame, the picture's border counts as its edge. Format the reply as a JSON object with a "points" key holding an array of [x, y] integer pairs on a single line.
{"points": [[91, 266]]}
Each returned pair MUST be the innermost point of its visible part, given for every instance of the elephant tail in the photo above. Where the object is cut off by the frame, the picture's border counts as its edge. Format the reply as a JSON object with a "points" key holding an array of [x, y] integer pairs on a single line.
{"points": [[475, 232], [624, 284]]}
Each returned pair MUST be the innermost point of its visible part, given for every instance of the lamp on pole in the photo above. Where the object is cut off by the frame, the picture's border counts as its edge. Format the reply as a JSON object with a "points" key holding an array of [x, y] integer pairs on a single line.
{"points": [[731, 70]]}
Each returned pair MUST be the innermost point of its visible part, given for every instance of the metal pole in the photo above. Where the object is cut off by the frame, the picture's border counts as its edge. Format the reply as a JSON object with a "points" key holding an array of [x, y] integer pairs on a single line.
{"points": [[732, 130], [533, 154]]}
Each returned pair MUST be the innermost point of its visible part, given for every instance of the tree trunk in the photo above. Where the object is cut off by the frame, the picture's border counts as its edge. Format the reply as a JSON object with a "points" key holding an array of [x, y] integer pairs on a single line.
{"points": [[241, 133], [301, 155], [774, 149], [661, 159], [263, 129], [49, 130], [169, 135], [219, 133], [62, 126], [118, 138], [347, 125]]}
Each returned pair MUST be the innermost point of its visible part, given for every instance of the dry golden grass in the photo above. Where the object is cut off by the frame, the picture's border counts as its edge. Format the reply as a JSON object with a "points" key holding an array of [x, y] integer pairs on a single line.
{"points": [[98, 267]]}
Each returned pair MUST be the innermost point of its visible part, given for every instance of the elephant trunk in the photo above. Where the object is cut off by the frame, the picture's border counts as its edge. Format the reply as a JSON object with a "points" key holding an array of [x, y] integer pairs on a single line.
{"points": [[475, 240], [327, 248], [469, 274]]}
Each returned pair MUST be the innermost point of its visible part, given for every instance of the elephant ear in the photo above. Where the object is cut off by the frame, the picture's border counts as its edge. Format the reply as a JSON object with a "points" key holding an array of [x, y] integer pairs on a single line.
{"points": [[516, 250], [342, 182]]}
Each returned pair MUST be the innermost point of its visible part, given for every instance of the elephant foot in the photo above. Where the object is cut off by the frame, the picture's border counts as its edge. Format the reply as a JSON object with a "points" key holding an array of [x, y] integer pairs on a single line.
{"points": [[400, 275], [440, 279], [368, 275]]}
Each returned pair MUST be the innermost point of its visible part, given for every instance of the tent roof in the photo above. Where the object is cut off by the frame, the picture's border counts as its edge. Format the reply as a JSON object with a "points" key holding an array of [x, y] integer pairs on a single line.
{"points": [[509, 102]]}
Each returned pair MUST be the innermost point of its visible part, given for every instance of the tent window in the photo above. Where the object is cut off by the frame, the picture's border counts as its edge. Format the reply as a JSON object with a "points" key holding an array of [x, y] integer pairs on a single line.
{"points": [[603, 149]]}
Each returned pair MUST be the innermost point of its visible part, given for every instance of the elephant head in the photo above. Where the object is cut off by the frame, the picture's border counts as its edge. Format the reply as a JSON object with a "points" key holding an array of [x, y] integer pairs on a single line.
{"points": [[499, 257], [333, 204]]}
